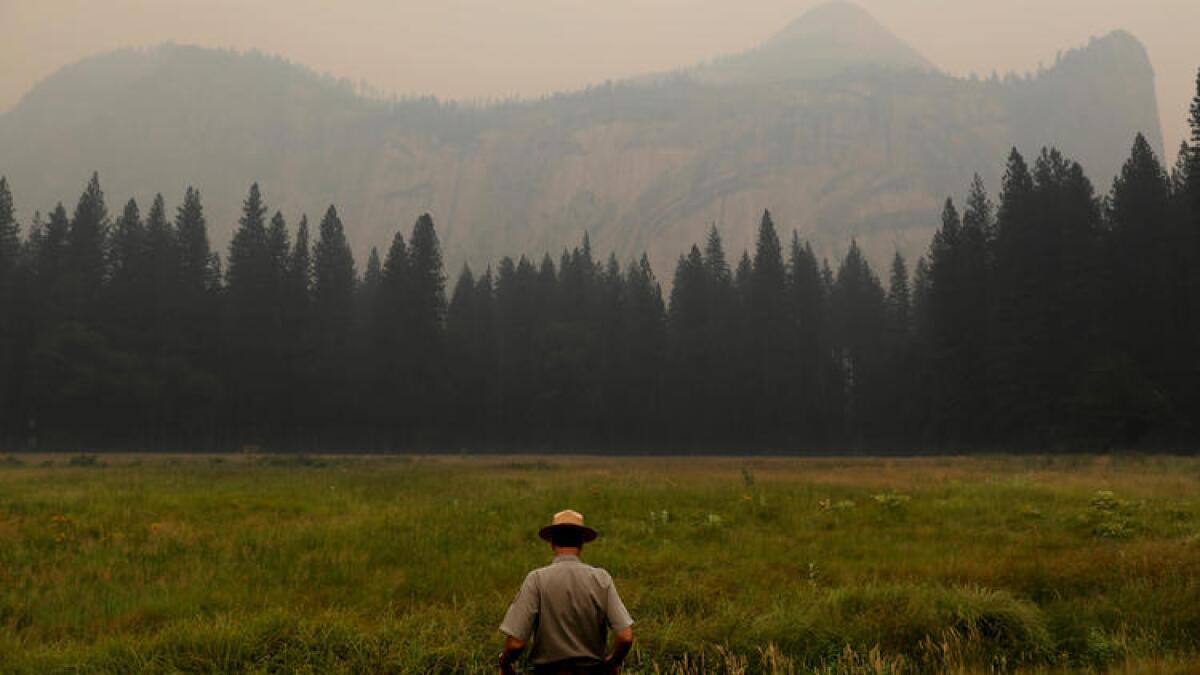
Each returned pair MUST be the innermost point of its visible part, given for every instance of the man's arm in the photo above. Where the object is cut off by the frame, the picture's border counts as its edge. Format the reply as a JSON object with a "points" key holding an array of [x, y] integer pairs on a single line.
{"points": [[512, 651], [519, 620], [622, 643]]}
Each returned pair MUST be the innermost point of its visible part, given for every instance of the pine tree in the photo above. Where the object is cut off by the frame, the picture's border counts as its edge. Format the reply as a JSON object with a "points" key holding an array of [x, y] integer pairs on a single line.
{"points": [[300, 270], [51, 262], [128, 304], [10, 259], [198, 285], [390, 382], [899, 299], [714, 258], [10, 233], [859, 318], [333, 278], [1143, 275], [807, 301], [1016, 286], [769, 327], [372, 275], [467, 318], [392, 301], [1188, 227], [162, 252], [197, 265], [85, 252], [1193, 171], [253, 365], [279, 246], [249, 273], [126, 254], [642, 346], [333, 290], [1179, 172], [429, 281], [426, 313], [690, 366]]}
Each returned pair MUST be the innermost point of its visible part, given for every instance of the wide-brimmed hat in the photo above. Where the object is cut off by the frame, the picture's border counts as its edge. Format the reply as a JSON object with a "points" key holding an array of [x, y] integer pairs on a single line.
{"points": [[567, 520]]}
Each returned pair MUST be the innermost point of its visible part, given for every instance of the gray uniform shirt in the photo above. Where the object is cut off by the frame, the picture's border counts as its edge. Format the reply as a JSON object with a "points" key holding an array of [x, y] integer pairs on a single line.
{"points": [[567, 608]]}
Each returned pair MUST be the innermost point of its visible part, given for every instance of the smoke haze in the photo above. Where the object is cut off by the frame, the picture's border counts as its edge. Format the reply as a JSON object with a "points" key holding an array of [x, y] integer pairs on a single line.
{"points": [[474, 49]]}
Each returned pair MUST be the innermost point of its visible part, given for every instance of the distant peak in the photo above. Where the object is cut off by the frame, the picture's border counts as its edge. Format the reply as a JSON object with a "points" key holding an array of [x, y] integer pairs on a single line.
{"points": [[828, 39], [833, 15], [846, 29]]}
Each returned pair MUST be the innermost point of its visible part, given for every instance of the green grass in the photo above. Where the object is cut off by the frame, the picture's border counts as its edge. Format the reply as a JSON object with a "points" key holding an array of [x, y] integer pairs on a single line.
{"points": [[394, 564]]}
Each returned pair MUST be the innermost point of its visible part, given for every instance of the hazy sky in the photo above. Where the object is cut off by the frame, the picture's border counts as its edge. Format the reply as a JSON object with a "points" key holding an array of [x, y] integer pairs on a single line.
{"points": [[500, 48]]}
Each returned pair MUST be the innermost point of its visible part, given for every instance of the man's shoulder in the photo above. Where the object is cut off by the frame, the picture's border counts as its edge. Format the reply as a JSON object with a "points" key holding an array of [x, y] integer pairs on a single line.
{"points": [[574, 566]]}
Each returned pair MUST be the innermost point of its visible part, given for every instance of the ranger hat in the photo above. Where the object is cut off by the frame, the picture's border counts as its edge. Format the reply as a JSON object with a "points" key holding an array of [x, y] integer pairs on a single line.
{"points": [[567, 520]]}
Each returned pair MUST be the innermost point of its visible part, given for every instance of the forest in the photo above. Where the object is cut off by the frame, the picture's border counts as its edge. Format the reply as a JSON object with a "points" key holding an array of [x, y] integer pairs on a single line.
{"points": [[1050, 317]]}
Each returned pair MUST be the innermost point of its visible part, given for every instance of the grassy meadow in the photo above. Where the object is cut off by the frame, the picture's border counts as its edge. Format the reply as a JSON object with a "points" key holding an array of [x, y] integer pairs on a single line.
{"points": [[734, 565]]}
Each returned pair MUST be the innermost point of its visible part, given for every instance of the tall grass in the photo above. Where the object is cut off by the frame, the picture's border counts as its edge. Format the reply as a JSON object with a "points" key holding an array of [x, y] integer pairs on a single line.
{"points": [[324, 564]]}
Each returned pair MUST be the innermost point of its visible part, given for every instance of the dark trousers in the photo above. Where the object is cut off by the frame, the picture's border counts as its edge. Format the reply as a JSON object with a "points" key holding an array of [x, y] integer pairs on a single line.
{"points": [[570, 667]]}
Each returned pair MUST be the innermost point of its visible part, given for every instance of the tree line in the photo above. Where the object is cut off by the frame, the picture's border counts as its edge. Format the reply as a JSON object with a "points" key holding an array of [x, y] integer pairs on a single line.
{"points": [[1049, 317]]}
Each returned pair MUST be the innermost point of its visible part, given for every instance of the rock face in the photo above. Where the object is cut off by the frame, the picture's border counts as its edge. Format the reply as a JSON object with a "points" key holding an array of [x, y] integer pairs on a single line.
{"points": [[834, 124]]}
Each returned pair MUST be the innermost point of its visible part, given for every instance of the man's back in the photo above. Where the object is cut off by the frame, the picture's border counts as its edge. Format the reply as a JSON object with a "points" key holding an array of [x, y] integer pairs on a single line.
{"points": [[567, 607]]}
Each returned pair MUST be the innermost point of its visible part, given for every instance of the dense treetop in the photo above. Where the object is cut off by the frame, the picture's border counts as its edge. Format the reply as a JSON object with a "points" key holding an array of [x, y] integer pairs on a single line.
{"points": [[1050, 316]]}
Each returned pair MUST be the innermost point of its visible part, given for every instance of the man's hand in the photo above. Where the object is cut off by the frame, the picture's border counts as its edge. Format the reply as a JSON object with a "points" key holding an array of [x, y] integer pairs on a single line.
{"points": [[512, 651], [622, 643]]}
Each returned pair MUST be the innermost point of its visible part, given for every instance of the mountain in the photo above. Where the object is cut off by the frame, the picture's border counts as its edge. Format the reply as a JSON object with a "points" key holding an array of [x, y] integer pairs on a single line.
{"points": [[829, 40], [834, 124]]}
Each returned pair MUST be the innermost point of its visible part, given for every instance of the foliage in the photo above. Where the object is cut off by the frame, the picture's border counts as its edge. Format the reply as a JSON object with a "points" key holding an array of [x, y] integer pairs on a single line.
{"points": [[1048, 318]]}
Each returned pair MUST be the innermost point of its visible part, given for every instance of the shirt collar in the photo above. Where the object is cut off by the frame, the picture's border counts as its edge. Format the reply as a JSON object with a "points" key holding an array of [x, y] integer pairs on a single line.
{"points": [[566, 557]]}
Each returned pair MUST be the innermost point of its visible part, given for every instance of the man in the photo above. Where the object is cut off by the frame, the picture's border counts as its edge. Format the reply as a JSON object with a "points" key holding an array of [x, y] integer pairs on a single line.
{"points": [[567, 608]]}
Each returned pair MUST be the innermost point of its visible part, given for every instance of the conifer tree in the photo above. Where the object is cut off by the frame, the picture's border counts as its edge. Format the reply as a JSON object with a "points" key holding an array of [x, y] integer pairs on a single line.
{"points": [[714, 258], [126, 253], [467, 319], [279, 246], [333, 290], [899, 299], [769, 323], [252, 304], [1143, 275], [249, 273], [300, 269], [197, 265], [10, 233], [333, 278], [428, 280], [85, 252], [642, 344], [1179, 172], [51, 262], [10, 359], [859, 318], [128, 304], [807, 305], [1193, 172], [372, 275], [426, 301], [162, 252]]}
